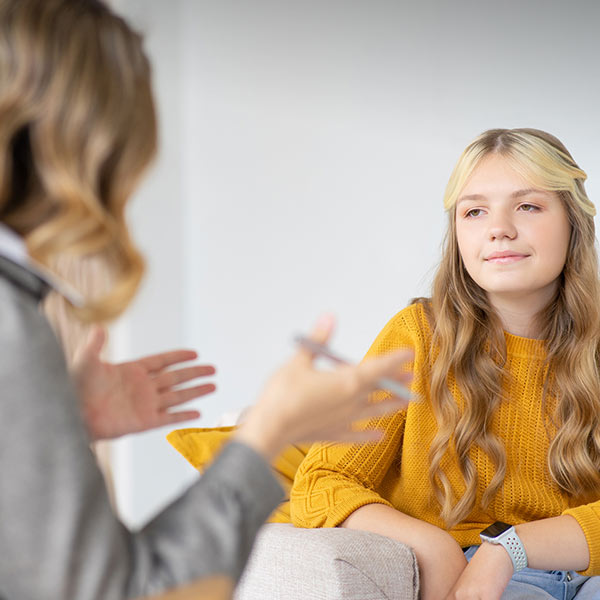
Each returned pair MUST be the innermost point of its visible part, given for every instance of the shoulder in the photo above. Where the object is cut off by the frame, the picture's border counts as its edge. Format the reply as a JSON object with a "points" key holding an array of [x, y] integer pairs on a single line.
{"points": [[409, 328], [414, 318], [25, 335], [38, 399]]}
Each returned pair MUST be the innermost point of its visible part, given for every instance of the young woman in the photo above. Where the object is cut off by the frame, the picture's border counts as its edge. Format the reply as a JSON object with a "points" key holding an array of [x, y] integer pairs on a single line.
{"points": [[507, 366], [77, 130]]}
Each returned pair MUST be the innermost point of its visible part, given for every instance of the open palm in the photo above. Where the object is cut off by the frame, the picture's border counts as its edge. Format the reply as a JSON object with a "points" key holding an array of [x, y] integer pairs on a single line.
{"points": [[134, 396]]}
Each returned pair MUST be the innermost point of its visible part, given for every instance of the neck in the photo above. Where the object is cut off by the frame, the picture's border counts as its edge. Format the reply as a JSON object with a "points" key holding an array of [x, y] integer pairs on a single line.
{"points": [[518, 314]]}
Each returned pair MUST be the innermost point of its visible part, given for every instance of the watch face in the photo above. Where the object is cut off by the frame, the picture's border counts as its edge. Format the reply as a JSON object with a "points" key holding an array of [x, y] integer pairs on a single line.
{"points": [[496, 529]]}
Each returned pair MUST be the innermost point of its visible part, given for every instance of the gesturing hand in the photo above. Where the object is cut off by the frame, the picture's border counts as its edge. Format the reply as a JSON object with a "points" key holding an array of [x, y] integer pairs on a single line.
{"points": [[134, 396], [303, 404]]}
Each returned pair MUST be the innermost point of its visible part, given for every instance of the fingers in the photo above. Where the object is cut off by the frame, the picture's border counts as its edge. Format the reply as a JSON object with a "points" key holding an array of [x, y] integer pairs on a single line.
{"points": [[170, 378], [320, 334], [387, 364], [391, 365], [323, 328], [168, 418], [93, 345], [185, 395], [387, 406], [356, 432], [158, 362]]}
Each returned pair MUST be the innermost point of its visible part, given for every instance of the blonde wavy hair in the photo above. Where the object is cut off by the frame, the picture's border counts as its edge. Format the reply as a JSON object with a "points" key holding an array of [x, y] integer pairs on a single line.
{"points": [[77, 130], [469, 342]]}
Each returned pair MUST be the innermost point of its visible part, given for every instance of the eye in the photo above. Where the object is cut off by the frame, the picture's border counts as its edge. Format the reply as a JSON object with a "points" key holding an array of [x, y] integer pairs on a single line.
{"points": [[474, 212], [528, 208]]}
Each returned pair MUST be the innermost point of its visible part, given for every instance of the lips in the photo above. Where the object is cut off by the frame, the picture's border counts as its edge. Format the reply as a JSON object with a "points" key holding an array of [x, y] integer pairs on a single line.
{"points": [[505, 257]]}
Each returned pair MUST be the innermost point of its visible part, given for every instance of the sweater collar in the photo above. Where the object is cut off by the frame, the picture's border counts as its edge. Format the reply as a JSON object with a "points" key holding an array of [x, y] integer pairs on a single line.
{"points": [[16, 264], [524, 347]]}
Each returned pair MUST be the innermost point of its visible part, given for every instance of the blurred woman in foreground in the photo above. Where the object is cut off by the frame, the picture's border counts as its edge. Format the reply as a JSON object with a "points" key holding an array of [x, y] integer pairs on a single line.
{"points": [[77, 130]]}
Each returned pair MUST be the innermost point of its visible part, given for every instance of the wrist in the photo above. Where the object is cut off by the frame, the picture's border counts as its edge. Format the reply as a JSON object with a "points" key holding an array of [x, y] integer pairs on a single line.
{"points": [[505, 535], [259, 437], [497, 554]]}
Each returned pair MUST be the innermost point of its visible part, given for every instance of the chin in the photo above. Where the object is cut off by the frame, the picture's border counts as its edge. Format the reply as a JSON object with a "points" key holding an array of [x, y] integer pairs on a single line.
{"points": [[512, 291]]}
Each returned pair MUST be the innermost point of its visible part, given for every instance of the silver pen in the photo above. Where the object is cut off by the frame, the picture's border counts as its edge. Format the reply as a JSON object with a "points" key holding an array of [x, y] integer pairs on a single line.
{"points": [[384, 383]]}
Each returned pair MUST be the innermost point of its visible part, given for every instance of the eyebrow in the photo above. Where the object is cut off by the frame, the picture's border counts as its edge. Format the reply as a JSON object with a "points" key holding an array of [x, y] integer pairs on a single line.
{"points": [[517, 194]]}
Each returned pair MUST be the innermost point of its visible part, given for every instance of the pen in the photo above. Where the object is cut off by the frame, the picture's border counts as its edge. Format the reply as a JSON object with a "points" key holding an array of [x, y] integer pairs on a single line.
{"points": [[384, 383]]}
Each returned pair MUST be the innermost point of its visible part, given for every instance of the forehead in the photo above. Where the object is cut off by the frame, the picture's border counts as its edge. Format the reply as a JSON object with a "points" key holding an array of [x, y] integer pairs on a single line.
{"points": [[494, 175]]}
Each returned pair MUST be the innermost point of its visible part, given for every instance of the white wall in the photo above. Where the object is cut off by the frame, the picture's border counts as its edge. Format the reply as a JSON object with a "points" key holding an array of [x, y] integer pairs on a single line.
{"points": [[306, 146]]}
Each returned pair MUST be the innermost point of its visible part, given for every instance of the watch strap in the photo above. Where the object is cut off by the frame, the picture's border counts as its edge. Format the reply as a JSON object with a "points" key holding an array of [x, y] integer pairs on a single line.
{"points": [[511, 542]]}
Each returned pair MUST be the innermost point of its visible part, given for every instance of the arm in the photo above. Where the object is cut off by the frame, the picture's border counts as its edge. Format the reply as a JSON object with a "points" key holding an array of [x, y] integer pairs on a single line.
{"points": [[298, 404], [557, 543], [440, 559], [338, 485], [335, 480], [358, 506], [58, 523]]}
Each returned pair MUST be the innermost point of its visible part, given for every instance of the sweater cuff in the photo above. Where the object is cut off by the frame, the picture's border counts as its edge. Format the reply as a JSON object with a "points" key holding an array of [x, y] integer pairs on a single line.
{"points": [[588, 517]]}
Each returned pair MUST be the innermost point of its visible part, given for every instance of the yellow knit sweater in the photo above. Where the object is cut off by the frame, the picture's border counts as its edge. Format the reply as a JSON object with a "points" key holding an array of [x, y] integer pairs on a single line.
{"points": [[335, 480]]}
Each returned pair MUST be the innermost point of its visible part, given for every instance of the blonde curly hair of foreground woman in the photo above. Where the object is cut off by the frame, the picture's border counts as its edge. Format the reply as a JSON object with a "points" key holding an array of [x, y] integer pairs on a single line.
{"points": [[78, 155]]}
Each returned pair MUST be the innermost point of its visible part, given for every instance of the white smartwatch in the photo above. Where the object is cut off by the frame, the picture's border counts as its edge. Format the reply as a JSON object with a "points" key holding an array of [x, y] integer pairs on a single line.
{"points": [[506, 535]]}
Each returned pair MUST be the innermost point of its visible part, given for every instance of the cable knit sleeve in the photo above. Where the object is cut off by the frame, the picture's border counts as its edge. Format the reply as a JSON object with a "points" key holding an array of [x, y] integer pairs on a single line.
{"points": [[334, 480]]}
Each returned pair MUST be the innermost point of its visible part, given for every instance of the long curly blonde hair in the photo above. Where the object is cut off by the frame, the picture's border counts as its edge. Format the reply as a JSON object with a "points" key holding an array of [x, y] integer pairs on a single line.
{"points": [[77, 130], [469, 340]]}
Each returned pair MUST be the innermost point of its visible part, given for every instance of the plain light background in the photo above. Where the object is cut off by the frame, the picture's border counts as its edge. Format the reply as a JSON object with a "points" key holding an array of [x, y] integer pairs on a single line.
{"points": [[305, 147]]}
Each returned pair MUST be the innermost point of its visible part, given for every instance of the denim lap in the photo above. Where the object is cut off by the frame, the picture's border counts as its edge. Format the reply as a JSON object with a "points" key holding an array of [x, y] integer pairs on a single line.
{"points": [[534, 584]]}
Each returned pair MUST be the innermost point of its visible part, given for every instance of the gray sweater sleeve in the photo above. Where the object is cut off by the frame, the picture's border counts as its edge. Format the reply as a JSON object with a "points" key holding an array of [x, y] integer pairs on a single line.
{"points": [[58, 535]]}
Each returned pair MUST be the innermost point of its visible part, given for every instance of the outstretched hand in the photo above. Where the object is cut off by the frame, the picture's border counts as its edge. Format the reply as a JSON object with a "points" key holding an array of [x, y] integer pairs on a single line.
{"points": [[303, 404], [134, 396]]}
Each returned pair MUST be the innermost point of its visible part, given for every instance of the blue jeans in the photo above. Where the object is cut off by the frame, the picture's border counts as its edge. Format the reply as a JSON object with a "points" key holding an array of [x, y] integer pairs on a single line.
{"points": [[545, 585]]}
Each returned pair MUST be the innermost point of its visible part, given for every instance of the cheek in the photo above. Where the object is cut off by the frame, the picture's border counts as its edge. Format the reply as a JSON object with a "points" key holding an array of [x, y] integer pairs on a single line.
{"points": [[467, 246], [560, 252], [554, 242]]}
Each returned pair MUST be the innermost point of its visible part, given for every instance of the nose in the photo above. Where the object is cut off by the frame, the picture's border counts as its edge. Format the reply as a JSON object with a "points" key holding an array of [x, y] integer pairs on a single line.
{"points": [[501, 226]]}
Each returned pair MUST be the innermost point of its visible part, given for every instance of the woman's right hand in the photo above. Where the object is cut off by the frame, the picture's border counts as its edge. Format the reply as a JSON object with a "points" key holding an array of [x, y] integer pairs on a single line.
{"points": [[302, 404]]}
